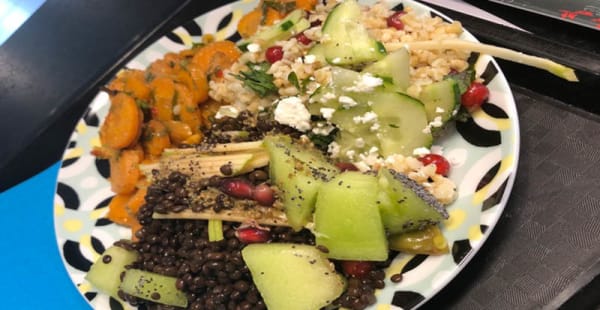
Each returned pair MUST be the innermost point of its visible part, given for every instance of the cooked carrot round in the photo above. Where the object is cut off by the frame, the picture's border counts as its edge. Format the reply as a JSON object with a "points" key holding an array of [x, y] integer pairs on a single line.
{"points": [[124, 171], [155, 138], [122, 125]]}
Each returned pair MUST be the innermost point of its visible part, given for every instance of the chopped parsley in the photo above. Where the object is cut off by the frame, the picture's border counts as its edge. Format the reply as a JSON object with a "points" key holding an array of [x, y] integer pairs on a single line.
{"points": [[293, 79], [322, 142], [257, 79], [287, 25]]}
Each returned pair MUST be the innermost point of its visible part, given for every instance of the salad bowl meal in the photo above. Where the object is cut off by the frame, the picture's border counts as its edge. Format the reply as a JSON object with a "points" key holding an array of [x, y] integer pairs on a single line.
{"points": [[291, 155]]}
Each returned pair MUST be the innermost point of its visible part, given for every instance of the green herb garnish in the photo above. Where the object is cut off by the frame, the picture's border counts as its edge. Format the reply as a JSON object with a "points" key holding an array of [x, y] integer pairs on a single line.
{"points": [[257, 79], [293, 79], [322, 142], [287, 25]]}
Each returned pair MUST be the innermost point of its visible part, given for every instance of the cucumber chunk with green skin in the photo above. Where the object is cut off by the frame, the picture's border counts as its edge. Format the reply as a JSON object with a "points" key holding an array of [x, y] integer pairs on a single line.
{"points": [[347, 220], [154, 287], [298, 172], [293, 276], [441, 99], [105, 272], [405, 205], [346, 41], [292, 24], [395, 66], [402, 120]]}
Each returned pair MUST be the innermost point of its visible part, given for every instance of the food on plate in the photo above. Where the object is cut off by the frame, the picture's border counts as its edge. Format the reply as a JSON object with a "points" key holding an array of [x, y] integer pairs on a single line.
{"points": [[285, 171]]}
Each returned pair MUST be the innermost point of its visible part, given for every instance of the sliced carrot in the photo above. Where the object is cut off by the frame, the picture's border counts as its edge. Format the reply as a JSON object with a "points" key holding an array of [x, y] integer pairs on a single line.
{"points": [[135, 226], [122, 126], [194, 139], [201, 84], [306, 5], [249, 23], [273, 16], [124, 171], [155, 138], [178, 131], [136, 201], [117, 211], [164, 97], [209, 109], [136, 85], [188, 109], [215, 56]]}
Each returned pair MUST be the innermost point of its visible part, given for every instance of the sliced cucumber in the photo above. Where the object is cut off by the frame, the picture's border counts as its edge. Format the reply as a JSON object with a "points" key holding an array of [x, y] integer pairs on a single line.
{"points": [[346, 40], [402, 120], [318, 50], [293, 23], [441, 99], [328, 96], [105, 272], [395, 67]]}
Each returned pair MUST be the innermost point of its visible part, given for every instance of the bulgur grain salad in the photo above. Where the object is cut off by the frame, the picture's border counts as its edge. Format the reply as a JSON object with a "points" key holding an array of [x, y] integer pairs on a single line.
{"points": [[287, 170]]}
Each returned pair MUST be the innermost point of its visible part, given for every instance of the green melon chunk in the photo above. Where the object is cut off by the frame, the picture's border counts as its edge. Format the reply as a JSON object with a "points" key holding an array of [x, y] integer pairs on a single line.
{"points": [[293, 276], [152, 286], [406, 205], [298, 171], [105, 272], [347, 220]]}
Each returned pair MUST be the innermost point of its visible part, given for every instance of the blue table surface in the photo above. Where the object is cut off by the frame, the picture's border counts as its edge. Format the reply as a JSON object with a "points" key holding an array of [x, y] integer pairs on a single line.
{"points": [[32, 268]]}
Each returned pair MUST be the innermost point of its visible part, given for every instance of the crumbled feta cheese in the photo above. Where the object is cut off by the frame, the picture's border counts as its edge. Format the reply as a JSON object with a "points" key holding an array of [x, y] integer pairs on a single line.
{"points": [[359, 142], [326, 97], [290, 111], [327, 113], [350, 154], [310, 59], [347, 102], [336, 60], [366, 83], [365, 118], [375, 127], [253, 48], [437, 122], [439, 110], [322, 129], [437, 149], [421, 151], [227, 111], [373, 150], [334, 149]]}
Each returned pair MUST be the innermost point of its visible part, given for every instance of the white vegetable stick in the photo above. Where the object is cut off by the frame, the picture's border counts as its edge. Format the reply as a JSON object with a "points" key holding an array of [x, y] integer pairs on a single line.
{"points": [[500, 52]]}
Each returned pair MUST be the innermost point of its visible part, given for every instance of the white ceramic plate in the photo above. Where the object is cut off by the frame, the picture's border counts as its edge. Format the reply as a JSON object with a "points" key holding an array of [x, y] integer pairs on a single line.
{"points": [[484, 153]]}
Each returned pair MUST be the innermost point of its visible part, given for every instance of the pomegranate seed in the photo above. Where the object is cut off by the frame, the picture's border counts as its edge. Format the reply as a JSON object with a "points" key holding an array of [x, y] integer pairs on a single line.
{"points": [[274, 54], [238, 188], [253, 235], [442, 166], [394, 20], [345, 166], [475, 95], [357, 269], [263, 194], [302, 38]]}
